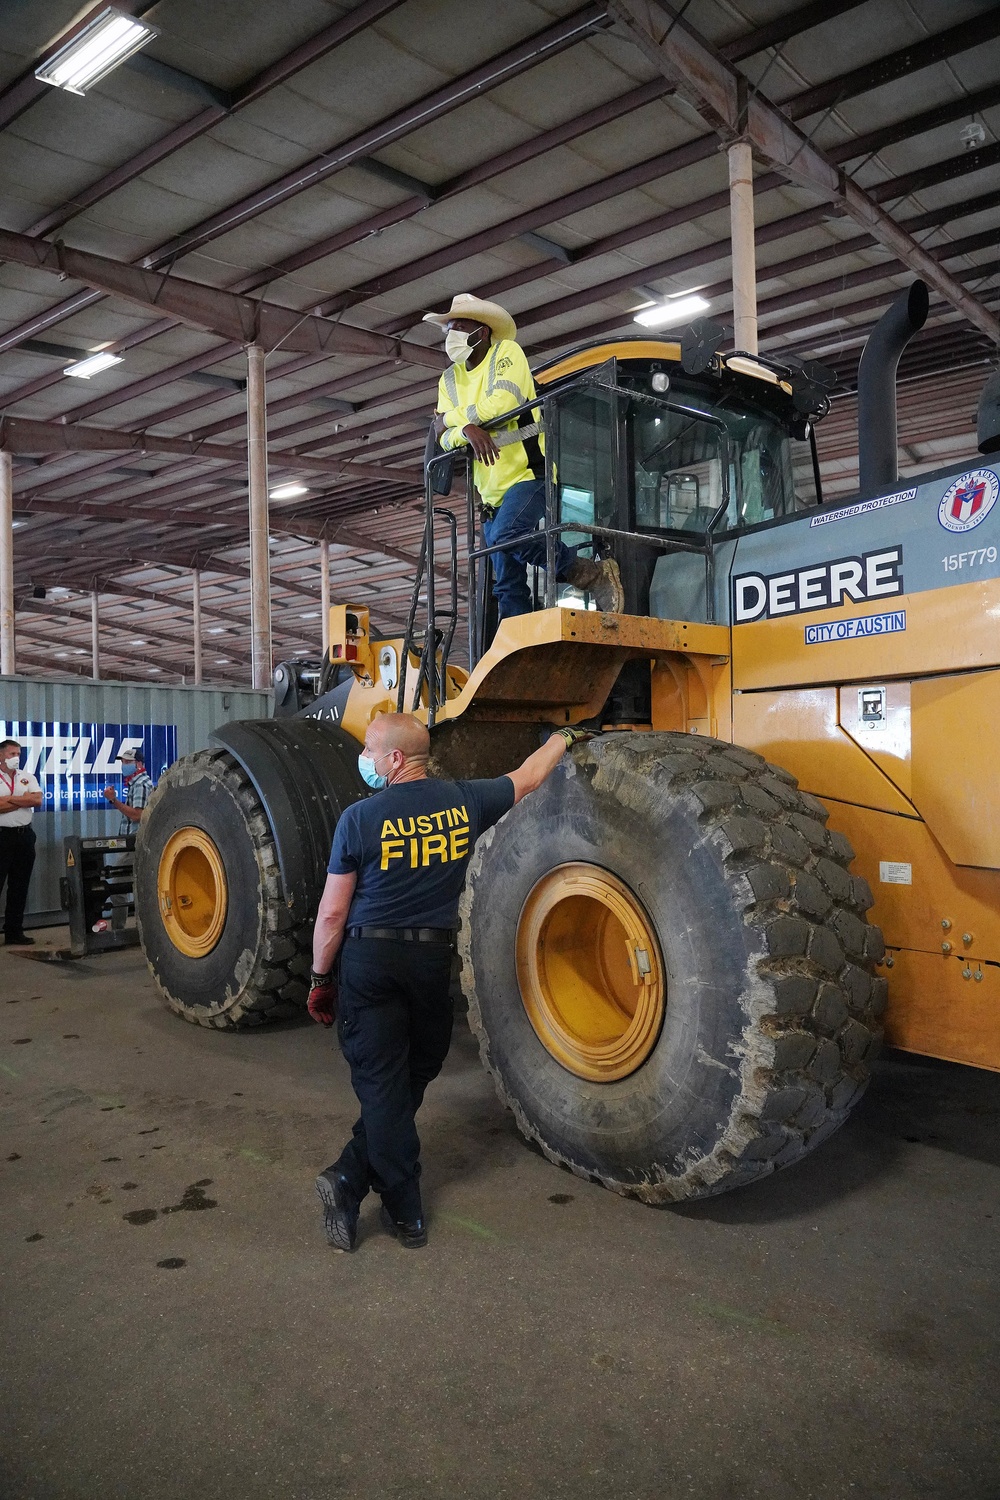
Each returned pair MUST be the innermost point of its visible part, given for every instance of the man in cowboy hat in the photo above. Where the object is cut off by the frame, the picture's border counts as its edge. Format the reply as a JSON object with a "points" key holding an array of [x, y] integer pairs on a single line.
{"points": [[488, 376]]}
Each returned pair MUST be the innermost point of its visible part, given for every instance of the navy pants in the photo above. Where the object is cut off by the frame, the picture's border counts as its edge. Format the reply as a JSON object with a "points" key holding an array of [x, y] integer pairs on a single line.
{"points": [[394, 1021], [521, 509], [17, 858]]}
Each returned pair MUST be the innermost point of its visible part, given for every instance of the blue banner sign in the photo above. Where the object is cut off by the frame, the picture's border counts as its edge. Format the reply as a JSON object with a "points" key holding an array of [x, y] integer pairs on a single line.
{"points": [[75, 762]]}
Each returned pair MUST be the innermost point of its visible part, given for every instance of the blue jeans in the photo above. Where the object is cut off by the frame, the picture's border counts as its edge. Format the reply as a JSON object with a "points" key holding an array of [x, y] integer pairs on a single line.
{"points": [[521, 509]]}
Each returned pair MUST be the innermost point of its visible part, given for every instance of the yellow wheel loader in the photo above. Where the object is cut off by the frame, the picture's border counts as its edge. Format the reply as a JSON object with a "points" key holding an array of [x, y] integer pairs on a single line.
{"points": [[669, 951]]}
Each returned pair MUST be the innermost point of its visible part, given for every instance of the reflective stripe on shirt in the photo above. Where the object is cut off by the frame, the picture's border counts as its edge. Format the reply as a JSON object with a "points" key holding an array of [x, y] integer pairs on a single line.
{"points": [[482, 395]]}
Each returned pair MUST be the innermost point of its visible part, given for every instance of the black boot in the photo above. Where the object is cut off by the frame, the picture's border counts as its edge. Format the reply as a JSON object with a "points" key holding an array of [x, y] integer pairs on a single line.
{"points": [[341, 1207], [411, 1236]]}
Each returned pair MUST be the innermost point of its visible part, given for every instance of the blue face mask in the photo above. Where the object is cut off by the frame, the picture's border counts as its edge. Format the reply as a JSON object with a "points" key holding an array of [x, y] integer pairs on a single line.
{"points": [[369, 775]]}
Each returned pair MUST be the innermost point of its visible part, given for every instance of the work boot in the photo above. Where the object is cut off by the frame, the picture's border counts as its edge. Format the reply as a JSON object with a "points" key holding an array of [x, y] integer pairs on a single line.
{"points": [[20, 940], [411, 1236], [602, 579], [340, 1209]]}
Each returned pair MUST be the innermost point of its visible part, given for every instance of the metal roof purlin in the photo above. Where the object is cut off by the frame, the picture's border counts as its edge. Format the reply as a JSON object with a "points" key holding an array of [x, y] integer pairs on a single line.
{"points": [[775, 32], [244, 320], [496, 70], [723, 98], [22, 435], [276, 73]]}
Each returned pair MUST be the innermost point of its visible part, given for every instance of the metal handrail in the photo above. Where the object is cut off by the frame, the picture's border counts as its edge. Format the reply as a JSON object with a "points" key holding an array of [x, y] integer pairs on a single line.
{"points": [[681, 544], [428, 671]]}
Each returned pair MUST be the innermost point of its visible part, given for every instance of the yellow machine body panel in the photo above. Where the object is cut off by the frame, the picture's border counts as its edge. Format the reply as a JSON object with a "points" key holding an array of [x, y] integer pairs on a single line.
{"points": [[946, 630], [887, 706], [801, 729], [944, 1007], [955, 726], [559, 665]]}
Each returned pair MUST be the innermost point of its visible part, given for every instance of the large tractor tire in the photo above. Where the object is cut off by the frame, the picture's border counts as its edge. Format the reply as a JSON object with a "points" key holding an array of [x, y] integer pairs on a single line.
{"points": [[224, 919], [668, 966]]}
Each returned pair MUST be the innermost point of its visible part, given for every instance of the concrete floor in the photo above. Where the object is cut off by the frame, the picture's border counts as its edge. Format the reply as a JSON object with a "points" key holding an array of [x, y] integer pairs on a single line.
{"points": [[831, 1333]]}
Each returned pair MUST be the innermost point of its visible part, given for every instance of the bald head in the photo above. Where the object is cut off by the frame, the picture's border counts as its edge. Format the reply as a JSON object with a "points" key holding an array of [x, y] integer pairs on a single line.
{"points": [[404, 734]]}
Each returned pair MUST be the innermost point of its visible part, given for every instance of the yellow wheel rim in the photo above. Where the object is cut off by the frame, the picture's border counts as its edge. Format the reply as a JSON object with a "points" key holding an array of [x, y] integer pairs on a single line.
{"points": [[590, 972], [194, 895]]}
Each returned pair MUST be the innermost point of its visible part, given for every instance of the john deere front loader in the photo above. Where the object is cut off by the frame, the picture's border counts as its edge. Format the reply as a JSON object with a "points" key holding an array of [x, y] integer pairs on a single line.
{"points": [[668, 950]]}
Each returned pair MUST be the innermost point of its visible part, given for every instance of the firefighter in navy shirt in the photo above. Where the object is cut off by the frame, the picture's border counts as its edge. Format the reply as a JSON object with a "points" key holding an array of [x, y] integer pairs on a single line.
{"points": [[390, 908]]}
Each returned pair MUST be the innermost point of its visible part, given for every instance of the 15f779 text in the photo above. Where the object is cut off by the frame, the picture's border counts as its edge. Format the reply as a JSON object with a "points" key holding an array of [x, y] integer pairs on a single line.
{"points": [[959, 560]]}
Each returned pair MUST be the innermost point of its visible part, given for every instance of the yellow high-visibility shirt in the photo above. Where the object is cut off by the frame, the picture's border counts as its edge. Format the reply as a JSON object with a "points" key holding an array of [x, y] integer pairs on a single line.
{"points": [[501, 382]]}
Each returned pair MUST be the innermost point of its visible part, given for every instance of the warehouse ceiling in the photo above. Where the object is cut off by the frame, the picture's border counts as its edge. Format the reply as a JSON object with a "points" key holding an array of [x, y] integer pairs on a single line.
{"points": [[360, 164]]}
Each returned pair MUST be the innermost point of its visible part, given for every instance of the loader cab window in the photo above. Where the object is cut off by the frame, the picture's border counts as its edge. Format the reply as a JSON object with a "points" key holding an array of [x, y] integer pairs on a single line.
{"points": [[773, 473], [677, 463], [673, 458], [765, 485], [769, 472], [585, 462], [637, 463]]}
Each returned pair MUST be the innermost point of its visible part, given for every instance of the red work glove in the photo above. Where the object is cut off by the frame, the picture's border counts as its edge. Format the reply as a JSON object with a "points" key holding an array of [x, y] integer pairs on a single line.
{"points": [[322, 1002]]}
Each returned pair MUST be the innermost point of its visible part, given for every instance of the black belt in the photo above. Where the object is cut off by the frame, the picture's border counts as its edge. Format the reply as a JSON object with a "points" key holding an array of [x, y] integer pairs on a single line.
{"points": [[404, 934]]}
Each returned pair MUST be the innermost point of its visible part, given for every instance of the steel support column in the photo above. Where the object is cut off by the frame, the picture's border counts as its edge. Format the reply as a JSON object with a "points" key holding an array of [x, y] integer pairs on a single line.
{"points": [[260, 571], [196, 623], [324, 591], [744, 256], [95, 635], [7, 650]]}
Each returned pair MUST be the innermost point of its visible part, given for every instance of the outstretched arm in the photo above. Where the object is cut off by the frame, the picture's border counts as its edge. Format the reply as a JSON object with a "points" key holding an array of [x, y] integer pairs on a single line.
{"points": [[542, 762]]}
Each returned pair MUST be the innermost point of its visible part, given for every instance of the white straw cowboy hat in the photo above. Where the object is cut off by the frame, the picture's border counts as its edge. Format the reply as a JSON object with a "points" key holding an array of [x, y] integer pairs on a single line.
{"points": [[465, 305]]}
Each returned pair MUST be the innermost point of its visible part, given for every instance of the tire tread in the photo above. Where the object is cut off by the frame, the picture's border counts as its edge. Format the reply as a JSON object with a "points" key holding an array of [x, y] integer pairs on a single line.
{"points": [[790, 880], [274, 989]]}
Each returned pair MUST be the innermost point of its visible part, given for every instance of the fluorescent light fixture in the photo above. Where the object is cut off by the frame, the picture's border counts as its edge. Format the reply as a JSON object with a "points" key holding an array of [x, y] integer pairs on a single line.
{"points": [[137, 643], [312, 614], [152, 669], [672, 312], [94, 52], [92, 365], [288, 491], [217, 630]]}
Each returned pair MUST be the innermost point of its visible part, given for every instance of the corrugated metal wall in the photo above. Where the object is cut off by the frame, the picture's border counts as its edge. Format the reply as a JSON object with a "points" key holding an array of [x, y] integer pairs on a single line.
{"points": [[73, 765]]}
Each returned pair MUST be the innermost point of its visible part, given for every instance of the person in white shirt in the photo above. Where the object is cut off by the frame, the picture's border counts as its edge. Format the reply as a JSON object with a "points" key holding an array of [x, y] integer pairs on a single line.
{"points": [[20, 794]]}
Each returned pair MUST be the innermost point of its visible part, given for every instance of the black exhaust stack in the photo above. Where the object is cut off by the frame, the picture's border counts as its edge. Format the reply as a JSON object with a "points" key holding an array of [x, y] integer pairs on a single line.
{"points": [[877, 448]]}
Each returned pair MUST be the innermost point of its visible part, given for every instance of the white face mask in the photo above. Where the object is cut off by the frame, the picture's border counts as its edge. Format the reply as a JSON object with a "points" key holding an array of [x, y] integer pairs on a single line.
{"points": [[459, 347], [12, 762]]}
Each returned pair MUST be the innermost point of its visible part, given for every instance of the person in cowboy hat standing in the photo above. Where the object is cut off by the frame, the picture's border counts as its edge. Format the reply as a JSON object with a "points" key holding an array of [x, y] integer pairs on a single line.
{"points": [[488, 376]]}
